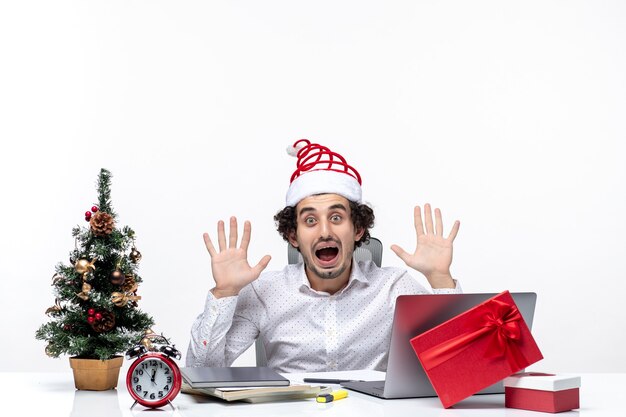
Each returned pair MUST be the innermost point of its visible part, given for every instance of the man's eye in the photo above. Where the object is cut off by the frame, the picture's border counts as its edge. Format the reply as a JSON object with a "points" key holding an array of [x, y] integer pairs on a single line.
{"points": [[309, 220], [336, 218]]}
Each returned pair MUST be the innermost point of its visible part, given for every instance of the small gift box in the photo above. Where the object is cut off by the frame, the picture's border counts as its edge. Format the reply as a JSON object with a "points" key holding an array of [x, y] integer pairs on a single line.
{"points": [[542, 392], [476, 349]]}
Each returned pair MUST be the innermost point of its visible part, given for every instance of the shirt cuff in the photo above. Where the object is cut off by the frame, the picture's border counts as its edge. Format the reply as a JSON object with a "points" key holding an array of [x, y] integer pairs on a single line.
{"points": [[456, 290], [218, 306]]}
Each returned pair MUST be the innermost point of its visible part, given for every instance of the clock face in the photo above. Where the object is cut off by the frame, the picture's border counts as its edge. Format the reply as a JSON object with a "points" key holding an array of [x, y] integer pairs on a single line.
{"points": [[153, 379]]}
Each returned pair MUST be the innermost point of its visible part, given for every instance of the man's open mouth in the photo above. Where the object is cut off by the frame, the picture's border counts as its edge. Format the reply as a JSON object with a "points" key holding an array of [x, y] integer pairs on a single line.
{"points": [[327, 254]]}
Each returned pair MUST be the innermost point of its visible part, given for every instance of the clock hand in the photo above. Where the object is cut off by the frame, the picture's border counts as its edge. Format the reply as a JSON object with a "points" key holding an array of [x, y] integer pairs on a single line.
{"points": [[153, 375]]}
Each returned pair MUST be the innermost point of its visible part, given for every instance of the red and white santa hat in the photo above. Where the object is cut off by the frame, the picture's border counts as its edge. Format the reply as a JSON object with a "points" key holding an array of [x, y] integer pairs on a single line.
{"points": [[321, 171]]}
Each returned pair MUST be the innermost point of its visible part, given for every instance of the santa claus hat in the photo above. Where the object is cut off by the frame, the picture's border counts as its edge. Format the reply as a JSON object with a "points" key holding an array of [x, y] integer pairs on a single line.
{"points": [[321, 171]]}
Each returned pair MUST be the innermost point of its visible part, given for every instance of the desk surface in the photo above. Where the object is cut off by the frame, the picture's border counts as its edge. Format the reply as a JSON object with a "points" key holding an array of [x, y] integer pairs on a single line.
{"points": [[53, 394]]}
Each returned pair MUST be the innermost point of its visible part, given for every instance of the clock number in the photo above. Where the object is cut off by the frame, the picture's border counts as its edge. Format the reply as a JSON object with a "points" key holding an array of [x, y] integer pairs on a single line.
{"points": [[145, 393], [135, 379], [169, 379], [138, 372], [152, 396], [167, 371], [160, 394], [138, 388], [166, 388]]}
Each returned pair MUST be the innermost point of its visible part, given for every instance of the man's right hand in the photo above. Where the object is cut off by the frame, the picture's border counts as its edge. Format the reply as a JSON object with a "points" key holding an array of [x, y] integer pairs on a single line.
{"points": [[231, 270]]}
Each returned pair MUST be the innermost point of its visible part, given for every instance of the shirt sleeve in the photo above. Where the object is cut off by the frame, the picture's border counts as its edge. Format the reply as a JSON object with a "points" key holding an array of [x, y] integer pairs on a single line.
{"points": [[222, 332], [406, 284]]}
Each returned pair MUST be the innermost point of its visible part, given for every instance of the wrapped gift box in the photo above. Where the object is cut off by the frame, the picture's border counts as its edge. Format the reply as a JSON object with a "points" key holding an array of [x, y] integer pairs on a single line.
{"points": [[476, 349], [542, 392]]}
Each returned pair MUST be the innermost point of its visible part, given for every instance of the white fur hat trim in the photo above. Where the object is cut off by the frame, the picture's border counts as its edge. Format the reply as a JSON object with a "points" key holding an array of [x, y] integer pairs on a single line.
{"points": [[323, 182]]}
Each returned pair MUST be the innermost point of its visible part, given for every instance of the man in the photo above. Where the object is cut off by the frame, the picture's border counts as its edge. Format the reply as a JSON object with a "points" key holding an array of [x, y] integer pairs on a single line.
{"points": [[327, 313]]}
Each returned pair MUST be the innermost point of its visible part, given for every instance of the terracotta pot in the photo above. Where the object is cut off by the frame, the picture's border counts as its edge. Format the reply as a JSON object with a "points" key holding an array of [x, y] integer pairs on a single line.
{"points": [[96, 375]]}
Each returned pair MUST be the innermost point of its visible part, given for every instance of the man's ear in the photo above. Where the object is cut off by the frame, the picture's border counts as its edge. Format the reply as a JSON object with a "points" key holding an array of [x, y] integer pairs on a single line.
{"points": [[292, 239], [359, 234]]}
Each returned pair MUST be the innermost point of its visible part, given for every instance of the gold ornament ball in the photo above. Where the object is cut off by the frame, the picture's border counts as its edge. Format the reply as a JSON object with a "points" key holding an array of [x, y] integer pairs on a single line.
{"points": [[86, 288], [117, 278], [135, 255], [147, 343], [83, 265], [49, 351]]}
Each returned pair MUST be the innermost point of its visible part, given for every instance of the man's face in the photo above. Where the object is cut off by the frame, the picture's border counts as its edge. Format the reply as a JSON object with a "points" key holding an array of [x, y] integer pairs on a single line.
{"points": [[325, 235]]}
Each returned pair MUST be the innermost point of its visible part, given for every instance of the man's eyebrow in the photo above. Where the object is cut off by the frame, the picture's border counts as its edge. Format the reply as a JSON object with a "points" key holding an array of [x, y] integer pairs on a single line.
{"points": [[305, 210], [337, 206]]}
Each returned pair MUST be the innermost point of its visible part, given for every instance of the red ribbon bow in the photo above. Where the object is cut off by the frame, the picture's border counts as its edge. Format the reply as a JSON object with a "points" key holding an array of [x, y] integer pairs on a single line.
{"points": [[495, 319]]}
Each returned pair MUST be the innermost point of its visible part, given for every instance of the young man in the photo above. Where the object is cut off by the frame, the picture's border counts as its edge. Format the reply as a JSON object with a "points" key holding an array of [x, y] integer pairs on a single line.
{"points": [[327, 313]]}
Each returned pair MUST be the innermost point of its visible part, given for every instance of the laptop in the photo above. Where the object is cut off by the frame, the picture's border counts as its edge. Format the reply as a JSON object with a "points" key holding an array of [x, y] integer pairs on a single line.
{"points": [[415, 314]]}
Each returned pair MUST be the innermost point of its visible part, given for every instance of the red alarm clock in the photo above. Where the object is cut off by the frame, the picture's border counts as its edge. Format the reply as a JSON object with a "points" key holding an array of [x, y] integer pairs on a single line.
{"points": [[153, 379]]}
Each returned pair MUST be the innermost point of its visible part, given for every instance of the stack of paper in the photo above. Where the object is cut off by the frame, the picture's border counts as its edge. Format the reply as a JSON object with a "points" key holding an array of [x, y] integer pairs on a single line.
{"points": [[259, 394], [251, 384]]}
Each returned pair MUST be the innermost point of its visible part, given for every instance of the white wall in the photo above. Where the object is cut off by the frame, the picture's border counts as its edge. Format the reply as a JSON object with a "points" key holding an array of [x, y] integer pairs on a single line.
{"points": [[507, 115]]}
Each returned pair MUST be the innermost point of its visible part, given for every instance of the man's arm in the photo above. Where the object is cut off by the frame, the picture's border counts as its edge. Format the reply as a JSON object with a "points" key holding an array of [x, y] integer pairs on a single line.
{"points": [[221, 333], [433, 253]]}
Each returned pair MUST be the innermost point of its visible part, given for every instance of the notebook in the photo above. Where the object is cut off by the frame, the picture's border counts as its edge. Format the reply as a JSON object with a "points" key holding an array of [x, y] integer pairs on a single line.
{"points": [[241, 376], [414, 314]]}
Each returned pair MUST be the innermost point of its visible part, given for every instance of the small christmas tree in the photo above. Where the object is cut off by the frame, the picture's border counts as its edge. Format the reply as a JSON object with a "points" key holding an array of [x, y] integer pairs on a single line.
{"points": [[95, 315]]}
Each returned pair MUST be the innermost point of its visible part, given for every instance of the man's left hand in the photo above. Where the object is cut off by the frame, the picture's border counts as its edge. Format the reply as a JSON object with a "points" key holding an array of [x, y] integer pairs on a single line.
{"points": [[433, 253]]}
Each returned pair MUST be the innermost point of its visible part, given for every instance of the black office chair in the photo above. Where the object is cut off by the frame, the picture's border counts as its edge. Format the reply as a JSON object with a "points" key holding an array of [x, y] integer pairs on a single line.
{"points": [[371, 251]]}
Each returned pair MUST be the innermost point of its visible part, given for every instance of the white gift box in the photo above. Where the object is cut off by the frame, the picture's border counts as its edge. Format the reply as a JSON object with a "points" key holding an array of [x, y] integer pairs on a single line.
{"points": [[542, 392]]}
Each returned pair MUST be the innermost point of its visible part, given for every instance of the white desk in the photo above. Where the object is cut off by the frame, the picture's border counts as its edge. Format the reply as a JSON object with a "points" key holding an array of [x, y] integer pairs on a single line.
{"points": [[53, 394]]}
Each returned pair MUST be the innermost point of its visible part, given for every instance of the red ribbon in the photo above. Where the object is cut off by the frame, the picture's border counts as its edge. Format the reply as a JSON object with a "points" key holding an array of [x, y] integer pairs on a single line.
{"points": [[495, 319]]}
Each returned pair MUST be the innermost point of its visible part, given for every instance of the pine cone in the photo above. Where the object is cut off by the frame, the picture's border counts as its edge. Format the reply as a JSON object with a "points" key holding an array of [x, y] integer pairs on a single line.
{"points": [[129, 283], [105, 324], [102, 224]]}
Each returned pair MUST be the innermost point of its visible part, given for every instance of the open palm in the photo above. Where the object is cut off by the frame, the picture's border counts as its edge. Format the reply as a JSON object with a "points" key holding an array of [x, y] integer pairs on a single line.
{"points": [[230, 267], [433, 252]]}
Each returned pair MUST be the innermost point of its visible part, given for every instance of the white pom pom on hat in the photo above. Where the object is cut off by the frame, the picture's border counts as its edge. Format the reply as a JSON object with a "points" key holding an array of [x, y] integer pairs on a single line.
{"points": [[293, 150], [321, 171]]}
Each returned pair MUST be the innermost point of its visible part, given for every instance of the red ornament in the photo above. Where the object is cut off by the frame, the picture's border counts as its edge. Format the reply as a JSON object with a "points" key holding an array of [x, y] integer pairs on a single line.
{"points": [[90, 319], [87, 214], [91, 311], [98, 316], [94, 208]]}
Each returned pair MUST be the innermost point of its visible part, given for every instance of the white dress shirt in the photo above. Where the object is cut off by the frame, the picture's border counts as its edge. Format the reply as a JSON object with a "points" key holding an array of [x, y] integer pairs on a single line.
{"points": [[305, 330]]}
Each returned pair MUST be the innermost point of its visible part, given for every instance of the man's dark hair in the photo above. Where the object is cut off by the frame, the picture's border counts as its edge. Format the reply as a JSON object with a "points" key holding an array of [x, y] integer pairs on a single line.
{"points": [[362, 217]]}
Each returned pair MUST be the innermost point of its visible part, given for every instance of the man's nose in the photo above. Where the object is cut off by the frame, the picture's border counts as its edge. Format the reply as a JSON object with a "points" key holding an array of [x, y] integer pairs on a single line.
{"points": [[325, 229]]}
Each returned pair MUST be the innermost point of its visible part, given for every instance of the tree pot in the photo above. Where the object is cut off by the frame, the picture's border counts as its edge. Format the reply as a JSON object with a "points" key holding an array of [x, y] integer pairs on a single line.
{"points": [[95, 374]]}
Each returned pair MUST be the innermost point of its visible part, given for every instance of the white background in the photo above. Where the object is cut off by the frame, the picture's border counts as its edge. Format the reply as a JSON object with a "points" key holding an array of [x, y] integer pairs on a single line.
{"points": [[507, 115]]}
